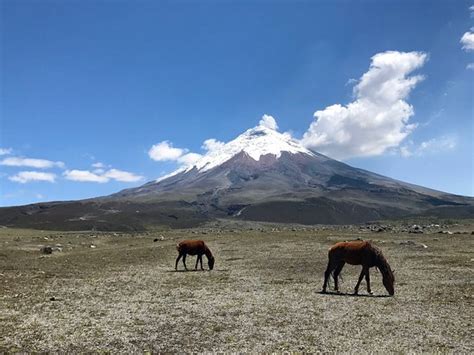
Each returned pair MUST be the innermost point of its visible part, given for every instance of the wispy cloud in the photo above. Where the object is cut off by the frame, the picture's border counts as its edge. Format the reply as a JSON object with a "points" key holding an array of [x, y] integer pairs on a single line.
{"points": [[470, 66], [84, 176], [5, 151], [31, 162], [106, 176], [98, 165], [378, 119], [28, 176], [123, 176], [431, 146]]}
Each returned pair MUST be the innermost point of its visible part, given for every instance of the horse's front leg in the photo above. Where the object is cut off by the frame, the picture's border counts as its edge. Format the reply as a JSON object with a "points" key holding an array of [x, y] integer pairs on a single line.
{"points": [[200, 258], [361, 276], [197, 261], [367, 279], [184, 262]]}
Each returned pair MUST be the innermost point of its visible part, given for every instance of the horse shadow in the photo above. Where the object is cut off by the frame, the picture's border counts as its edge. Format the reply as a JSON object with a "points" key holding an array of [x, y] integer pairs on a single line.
{"points": [[342, 294], [198, 270]]}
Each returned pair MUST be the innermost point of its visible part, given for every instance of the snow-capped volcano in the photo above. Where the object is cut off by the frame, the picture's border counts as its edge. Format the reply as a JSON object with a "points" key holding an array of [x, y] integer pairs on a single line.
{"points": [[255, 142], [261, 175]]}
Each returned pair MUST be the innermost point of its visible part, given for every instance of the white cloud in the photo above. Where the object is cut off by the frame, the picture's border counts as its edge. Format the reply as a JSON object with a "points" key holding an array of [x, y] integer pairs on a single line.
{"points": [[27, 176], [189, 159], [32, 163], [378, 118], [123, 176], [165, 151], [102, 177], [431, 146], [5, 151], [269, 122], [84, 176], [470, 66], [467, 40], [212, 145]]}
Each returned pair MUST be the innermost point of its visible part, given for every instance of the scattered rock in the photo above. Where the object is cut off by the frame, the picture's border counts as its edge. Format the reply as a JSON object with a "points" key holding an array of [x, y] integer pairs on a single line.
{"points": [[52, 298], [46, 250], [93, 246], [415, 229], [411, 242], [155, 240]]}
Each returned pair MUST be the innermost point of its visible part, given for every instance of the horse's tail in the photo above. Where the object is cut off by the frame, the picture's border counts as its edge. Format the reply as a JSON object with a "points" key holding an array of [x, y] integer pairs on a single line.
{"points": [[178, 247]]}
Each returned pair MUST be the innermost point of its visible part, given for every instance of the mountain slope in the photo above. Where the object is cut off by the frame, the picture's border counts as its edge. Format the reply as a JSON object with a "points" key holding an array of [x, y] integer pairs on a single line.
{"points": [[261, 175]]}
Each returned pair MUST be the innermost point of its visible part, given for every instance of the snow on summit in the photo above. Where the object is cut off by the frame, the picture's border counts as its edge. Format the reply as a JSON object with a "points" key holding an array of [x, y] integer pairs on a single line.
{"points": [[258, 141]]}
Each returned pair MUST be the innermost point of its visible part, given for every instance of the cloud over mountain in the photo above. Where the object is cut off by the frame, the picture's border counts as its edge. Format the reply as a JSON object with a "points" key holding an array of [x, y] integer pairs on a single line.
{"points": [[378, 117]]}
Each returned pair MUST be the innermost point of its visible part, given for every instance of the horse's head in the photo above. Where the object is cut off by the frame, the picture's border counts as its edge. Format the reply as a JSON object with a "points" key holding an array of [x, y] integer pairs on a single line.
{"points": [[210, 262], [388, 280]]}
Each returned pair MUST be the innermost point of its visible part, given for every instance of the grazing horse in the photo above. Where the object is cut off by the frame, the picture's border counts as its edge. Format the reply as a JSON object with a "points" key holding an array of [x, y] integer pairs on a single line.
{"points": [[358, 252], [194, 247]]}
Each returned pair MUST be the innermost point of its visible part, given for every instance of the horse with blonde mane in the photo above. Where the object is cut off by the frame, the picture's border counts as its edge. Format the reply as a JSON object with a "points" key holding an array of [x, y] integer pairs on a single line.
{"points": [[358, 252]]}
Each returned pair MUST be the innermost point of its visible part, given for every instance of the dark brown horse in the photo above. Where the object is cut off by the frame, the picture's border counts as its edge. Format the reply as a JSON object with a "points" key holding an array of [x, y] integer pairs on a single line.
{"points": [[358, 252], [194, 247]]}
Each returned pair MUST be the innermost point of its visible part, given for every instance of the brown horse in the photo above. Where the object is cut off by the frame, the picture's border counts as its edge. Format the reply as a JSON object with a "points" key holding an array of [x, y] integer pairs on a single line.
{"points": [[194, 247], [358, 252]]}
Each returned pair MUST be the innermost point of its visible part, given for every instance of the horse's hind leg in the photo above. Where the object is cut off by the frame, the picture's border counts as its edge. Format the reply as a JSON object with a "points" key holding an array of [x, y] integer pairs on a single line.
{"points": [[327, 274], [197, 260], [367, 279], [361, 276], [177, 259], [336, 275]]}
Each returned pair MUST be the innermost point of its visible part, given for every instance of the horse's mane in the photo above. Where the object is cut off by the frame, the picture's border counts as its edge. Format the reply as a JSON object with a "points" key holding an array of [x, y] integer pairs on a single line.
{"points": [[381, 263]]}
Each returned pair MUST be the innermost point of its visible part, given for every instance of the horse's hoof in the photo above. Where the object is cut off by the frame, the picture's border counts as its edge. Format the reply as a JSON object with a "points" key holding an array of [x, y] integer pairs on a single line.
{"points": [[324, 291], [370, 292]]}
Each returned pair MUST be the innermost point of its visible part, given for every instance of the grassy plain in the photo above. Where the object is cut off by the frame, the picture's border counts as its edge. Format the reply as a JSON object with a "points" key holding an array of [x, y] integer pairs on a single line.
{"points": [[117, 292]]}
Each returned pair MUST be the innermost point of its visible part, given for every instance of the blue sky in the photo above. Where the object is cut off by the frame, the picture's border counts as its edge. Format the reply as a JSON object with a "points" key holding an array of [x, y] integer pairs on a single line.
{"points": [[88, 87]]}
